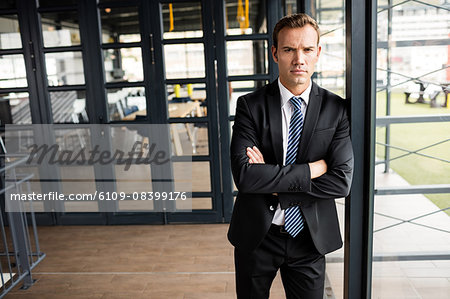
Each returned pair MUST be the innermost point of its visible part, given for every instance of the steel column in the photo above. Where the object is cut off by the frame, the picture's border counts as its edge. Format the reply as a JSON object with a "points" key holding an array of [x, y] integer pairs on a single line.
{"points": [[360, 91]]}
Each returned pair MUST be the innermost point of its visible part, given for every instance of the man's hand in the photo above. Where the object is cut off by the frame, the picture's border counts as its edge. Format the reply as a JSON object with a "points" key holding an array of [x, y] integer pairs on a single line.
{"points": [[317, 168], [254, 155]]}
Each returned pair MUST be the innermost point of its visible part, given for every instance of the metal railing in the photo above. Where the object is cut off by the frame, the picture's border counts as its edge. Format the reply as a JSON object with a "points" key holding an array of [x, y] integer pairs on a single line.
{"points": [[19, 245]]}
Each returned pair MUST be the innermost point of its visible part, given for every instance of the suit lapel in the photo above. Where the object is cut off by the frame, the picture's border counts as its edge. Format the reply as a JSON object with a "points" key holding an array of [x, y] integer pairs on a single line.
{"points": [[273, 105], [312, 116]]}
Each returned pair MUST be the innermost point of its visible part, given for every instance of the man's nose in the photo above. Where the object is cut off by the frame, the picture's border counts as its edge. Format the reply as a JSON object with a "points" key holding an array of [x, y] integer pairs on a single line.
{"points": [[299, 57]]}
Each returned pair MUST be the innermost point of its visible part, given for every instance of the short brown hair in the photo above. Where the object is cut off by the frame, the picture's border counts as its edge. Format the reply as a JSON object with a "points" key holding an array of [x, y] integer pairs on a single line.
{"points": [[298, 20]]}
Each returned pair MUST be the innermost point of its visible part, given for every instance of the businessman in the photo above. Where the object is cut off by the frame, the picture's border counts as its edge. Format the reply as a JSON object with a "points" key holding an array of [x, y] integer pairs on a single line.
{"points": [[291, 156]]}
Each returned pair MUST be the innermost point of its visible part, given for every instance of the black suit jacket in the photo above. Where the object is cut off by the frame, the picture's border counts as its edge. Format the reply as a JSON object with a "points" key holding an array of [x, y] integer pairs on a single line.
{"points": [[325, 136]]}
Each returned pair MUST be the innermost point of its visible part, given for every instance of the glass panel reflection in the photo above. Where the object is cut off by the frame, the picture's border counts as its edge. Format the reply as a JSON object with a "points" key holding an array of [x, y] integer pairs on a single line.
{"points": [[247, 57], [69, 106], [44, 3], [76, 178], [412, 80], [65, 68], [15, 108], [13, 72], [184, 61], [189, 138], [245, 19], [9, 32], [120, 25], [198, 203], [126, 103], [330, 69], [123, 65], [141, 181], [201, 179], [240, 88], [182, 20], [184, 93], [60, 29]]}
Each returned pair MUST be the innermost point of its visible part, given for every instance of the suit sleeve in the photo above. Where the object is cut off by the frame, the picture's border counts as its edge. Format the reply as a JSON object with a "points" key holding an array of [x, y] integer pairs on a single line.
{"points": [[336, 182], [261, 178]]}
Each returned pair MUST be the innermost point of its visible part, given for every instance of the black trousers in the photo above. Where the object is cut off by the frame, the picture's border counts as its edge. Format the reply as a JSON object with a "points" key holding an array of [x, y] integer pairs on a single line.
{"points": [[302, 268]]}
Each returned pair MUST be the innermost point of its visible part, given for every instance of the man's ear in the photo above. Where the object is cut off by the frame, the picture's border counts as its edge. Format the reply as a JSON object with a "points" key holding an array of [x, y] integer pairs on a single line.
{"points": [[274, 54]]}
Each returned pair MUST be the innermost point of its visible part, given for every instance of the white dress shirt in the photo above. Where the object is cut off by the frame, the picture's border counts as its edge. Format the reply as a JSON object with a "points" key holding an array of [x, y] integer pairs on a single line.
{"points": [[287, 108]]}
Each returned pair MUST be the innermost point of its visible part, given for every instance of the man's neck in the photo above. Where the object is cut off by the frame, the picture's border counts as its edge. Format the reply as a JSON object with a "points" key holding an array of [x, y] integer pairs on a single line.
{"points": [[297, 89]]}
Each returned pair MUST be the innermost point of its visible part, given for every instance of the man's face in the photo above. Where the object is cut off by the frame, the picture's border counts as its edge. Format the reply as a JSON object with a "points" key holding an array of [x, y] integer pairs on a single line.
{"points": [[296, 56]]}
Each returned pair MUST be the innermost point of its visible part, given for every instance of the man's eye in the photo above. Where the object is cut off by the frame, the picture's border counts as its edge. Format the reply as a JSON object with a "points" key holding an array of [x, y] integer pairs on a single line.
{"points": [[287, 50]]}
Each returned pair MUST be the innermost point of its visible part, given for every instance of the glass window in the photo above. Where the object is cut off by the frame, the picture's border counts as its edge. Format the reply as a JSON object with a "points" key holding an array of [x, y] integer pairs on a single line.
{"points": [[290, 7], [120, 25], [240, 88], [330, 69], [15, 108], [9, 32], [123, 65], [198, 203], [188, 138], [243, 19], [197, 172], [182, 20], [64, 68], [60, 29], [13, 73], [69, 106], [184, 61], [141, 181], [184, 93], [127, 103], [46, 3], [247, 57], [412, 77]]}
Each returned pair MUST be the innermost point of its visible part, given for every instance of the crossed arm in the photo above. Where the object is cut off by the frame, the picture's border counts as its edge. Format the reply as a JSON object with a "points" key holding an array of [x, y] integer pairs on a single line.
{"points": [[313, 180], [317, 168]]}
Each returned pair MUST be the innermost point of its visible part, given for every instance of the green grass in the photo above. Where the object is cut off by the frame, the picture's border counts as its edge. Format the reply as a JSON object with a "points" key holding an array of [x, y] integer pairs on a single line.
{"points": [[417, 170]]}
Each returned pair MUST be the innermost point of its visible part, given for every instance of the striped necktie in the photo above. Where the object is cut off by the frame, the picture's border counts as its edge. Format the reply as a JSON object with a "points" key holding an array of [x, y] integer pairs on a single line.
{"points": [[294, 221]]}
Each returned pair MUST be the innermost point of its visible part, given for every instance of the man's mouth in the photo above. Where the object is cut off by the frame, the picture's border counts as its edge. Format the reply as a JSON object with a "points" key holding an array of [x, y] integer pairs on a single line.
{"points": [[298, 71]]}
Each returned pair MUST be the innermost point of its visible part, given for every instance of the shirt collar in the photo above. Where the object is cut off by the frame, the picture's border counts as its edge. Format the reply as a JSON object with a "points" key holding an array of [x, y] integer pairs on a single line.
{"points": [[286, 95]]}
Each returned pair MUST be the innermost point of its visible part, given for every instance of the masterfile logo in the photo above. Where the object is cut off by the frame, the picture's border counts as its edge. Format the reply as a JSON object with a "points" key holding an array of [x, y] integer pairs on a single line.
{"points": [[110, 166]]}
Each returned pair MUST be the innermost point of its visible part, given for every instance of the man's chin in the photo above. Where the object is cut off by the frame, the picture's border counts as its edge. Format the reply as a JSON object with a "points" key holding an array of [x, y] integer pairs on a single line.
{"points": [[301, 81]]}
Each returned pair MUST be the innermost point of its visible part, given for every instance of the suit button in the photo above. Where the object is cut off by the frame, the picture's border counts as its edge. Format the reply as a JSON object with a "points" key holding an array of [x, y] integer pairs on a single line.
{"points": [[271, 208]]}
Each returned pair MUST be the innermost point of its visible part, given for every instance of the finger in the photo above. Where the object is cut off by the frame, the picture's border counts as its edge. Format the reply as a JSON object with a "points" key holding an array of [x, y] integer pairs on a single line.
{"points": [[260, 155], [251, 154]]}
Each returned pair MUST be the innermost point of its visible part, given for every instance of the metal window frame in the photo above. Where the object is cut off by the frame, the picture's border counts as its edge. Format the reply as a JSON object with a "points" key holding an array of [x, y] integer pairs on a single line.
{"points": [[360, 22]]}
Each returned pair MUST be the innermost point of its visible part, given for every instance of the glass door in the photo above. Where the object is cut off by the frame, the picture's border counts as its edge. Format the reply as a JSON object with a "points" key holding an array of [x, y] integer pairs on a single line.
{"points": [[159, 68], [184, 60]]}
